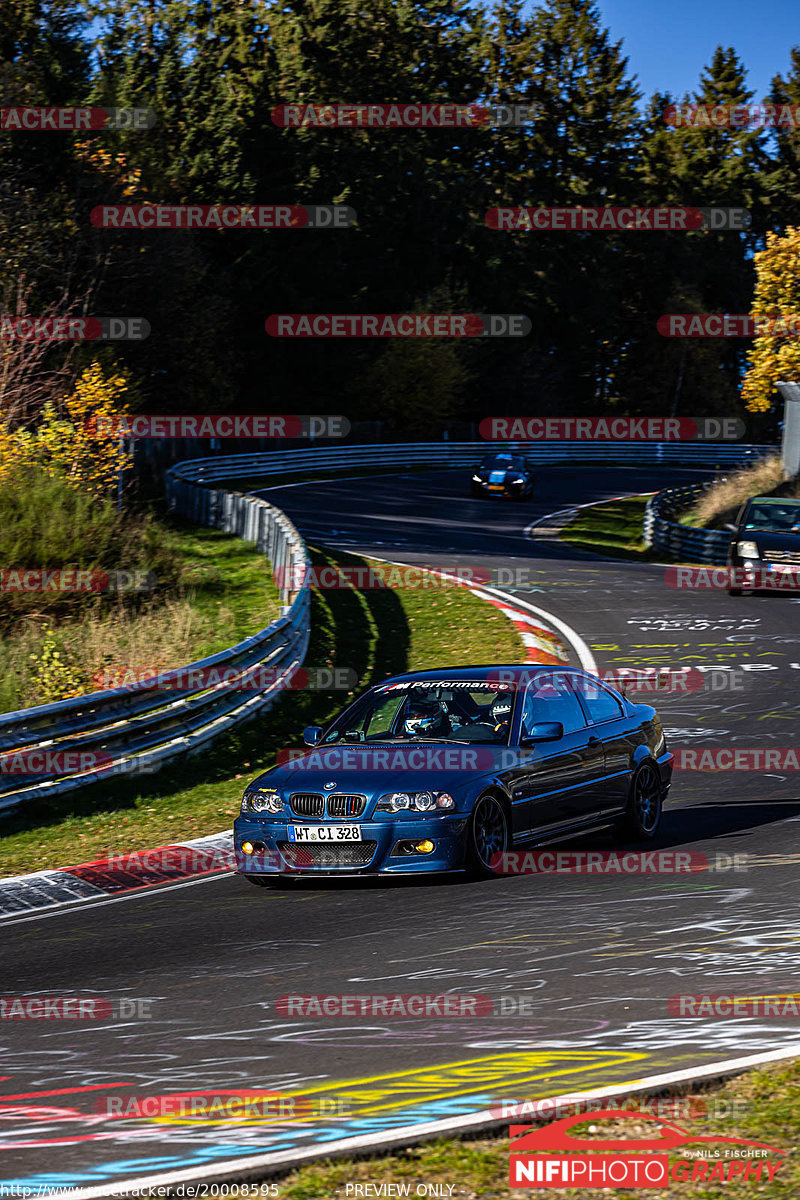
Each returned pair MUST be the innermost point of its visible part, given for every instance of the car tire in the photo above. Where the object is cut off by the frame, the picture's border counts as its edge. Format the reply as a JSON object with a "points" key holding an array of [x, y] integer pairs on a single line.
{"points": [[645, 805], [487, 836]]}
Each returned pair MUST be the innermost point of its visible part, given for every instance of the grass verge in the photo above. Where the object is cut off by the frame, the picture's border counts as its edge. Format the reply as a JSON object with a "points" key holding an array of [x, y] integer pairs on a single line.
{"points": [[762, 1105], [376, 633], [220, 591], [720, 503], [612, 527]]}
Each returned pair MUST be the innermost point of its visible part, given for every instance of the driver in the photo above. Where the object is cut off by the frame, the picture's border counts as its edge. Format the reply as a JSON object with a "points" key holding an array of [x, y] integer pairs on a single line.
{"points": [[426, 718], [500, 714]]}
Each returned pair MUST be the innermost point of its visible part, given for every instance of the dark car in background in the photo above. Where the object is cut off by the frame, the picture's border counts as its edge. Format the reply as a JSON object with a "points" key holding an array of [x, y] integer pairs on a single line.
{"points": [[504, 475], [447, 770], [765, 541]]}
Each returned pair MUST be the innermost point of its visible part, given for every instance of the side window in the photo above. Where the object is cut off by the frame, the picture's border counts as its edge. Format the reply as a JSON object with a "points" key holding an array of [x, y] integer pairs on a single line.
{"points": [[601, 704], [550, 698], [383, 715]]}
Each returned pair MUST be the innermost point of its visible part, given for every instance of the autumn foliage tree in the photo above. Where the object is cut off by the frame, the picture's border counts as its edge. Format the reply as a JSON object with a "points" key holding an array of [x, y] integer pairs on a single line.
{"points": [[777, 293]]}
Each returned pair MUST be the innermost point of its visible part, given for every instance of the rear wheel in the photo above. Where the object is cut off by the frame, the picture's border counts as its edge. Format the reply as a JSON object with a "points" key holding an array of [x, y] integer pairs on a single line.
{"points": [[643, 817], [488, 836]]}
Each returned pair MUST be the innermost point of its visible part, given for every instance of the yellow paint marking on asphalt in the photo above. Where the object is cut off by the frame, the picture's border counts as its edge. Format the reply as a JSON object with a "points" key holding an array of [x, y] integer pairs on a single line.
{"points": [[419, 1085]]}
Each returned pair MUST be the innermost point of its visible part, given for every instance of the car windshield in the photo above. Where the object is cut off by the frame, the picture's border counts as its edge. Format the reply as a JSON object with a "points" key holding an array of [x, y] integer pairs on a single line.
{"points": [[435, 710], [502, 462], [774, 518]]}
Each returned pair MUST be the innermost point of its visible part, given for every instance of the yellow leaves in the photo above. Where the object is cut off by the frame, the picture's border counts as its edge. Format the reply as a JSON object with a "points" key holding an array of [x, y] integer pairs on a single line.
{"points": [[114, 166], [66, 442], [777, 292]]}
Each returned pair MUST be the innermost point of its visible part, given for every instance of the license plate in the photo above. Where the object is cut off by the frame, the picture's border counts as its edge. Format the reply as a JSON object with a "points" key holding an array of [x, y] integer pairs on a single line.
{"points": [[496, 487], [324, 833]]}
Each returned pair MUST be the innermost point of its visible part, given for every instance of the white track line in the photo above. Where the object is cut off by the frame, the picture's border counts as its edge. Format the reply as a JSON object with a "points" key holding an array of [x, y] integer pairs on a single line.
{"points": [[274, 1162]]}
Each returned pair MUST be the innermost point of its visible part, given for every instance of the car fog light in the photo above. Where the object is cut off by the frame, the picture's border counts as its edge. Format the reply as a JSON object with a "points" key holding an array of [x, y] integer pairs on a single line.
{"points": [[425, 847], [445, 800], [247, 847]]}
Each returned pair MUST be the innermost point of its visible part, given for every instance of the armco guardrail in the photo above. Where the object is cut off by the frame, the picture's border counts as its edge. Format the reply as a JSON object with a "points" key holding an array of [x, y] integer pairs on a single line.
{"points": [[458, 454], [661, 531], [123, 731]]}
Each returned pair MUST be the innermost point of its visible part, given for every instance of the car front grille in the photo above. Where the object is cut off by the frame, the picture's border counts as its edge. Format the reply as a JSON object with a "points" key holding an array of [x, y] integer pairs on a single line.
{"points": [[319, 857], [307, 804], [782, 556], [346, 806]]}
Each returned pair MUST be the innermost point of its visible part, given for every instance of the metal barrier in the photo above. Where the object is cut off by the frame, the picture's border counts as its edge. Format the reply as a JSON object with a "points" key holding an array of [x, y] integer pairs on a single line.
{"points": [[128, 730], [436, 454], [661, 532]]}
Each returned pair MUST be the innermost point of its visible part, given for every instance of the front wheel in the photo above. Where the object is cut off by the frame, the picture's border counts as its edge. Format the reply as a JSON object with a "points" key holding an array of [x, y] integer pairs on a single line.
{"points": [[643, 817], [487, 836]]}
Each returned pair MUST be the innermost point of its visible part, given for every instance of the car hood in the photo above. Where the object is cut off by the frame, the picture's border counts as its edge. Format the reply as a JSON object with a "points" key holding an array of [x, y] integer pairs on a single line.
{"points": [[388, 767]]}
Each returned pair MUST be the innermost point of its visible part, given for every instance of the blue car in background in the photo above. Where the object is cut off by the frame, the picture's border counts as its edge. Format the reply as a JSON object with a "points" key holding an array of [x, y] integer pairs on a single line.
{"points": [[446, 770], [508, 476]]}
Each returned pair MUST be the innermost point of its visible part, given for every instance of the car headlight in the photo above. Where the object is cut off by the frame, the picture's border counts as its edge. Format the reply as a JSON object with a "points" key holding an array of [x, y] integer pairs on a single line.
{"points": [[747, 549], [415, 802], [262, 802], [477, 479], [517, 479]]}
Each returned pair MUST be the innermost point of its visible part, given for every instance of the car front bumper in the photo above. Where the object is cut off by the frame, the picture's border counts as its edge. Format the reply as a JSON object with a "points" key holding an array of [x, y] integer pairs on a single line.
{"points": [[372, 855]]}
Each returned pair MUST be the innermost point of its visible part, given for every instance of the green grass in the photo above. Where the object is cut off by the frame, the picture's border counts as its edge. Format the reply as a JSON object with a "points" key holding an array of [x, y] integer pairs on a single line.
{"points": [[763, 1106], [376, 633], [613, 527]]}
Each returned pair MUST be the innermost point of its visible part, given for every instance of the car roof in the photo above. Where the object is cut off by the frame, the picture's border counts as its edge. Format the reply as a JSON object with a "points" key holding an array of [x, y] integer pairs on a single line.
{"points": [[479, 672]]}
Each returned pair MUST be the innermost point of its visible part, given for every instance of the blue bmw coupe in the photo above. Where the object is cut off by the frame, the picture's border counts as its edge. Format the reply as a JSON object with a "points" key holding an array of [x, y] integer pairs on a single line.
{"points": [[447, 770]]}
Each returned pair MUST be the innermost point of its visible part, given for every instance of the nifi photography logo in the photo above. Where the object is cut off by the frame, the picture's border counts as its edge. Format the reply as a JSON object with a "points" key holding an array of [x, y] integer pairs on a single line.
{"points": [[552, 1156]]}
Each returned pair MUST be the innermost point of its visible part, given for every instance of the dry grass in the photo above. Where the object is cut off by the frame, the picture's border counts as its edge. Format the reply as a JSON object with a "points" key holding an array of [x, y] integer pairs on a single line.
{"points": [[721, 502], [110, 647]]}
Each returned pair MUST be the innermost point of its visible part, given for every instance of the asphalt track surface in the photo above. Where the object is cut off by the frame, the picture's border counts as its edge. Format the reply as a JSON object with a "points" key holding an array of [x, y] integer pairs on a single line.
{"points": [[596, 958]]}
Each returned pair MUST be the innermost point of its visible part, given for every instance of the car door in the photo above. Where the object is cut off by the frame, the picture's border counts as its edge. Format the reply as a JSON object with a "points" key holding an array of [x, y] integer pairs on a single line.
{"points": [[610, 729], [553, 784]]}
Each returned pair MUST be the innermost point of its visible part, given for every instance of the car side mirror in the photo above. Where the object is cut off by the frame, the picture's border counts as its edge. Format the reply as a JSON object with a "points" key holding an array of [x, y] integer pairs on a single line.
{"points": [[546, 731], [731, 528], [312, 734]]}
